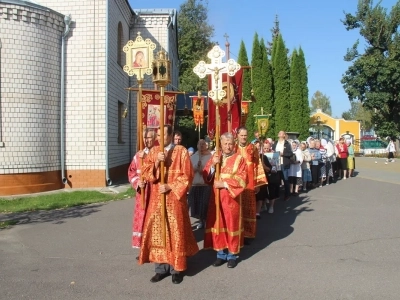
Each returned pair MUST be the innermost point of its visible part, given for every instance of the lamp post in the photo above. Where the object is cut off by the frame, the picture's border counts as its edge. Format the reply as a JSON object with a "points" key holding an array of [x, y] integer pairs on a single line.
{"points": [[318, 124]]}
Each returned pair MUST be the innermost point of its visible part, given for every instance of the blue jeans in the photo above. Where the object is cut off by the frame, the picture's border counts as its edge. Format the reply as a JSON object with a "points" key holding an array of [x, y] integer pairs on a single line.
{"points": [[225, 255]]}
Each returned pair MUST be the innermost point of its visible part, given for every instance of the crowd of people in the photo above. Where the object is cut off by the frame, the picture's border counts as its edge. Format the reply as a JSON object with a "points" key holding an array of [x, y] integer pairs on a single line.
{"points": [[225, 190]]}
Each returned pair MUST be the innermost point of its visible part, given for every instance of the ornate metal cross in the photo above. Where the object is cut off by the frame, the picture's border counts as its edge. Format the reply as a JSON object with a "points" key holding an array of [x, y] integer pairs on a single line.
{"points": [[216, 68]]}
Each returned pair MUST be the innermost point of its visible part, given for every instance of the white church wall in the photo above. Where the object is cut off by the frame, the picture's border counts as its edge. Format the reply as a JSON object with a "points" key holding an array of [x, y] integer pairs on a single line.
{"points": [[85, 83], [118, 80], [30, 93]]}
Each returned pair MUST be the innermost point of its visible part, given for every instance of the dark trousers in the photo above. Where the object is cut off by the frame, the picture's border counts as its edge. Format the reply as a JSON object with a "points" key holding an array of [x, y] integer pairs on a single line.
{"points": [[286, 183], [165, 268], [315, 172]]}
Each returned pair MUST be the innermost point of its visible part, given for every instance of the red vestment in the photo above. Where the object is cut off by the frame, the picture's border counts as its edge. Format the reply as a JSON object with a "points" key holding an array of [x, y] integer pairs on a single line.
{"points": [[256, 178], [233, 172], [139, 211], [180, 241]]}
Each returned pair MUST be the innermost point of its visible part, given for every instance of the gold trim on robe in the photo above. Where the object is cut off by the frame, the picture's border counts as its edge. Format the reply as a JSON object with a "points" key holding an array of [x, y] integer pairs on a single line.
{"points": [[233, 172], [180, 241], [256, 178]]}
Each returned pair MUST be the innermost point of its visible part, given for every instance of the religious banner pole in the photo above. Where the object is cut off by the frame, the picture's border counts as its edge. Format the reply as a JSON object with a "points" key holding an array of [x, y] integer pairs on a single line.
{"points": [[162, 77], [139, 54], [228, 87], [139, 117], [216, 68], [262, 122], [198, 111]]}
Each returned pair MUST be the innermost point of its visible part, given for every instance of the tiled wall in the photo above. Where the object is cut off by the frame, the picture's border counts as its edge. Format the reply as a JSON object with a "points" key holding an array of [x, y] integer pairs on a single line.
{"points": [[30, 89]]}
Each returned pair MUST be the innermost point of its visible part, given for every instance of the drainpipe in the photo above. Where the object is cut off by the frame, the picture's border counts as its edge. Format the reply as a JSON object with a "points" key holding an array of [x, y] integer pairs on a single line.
{"points": [[1, 119], [108, 180], [67, 21]]}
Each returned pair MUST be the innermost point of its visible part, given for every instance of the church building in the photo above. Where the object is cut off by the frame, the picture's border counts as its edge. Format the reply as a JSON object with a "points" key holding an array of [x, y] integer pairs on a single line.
{"points": [[63, 90]]}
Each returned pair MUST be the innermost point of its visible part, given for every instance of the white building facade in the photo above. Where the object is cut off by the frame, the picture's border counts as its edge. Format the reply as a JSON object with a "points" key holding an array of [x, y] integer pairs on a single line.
{"points": [[62, 90]]}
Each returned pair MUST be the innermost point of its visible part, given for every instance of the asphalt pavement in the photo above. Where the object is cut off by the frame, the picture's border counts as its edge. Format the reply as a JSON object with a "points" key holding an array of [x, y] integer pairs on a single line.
{"points": [[340, 241]]}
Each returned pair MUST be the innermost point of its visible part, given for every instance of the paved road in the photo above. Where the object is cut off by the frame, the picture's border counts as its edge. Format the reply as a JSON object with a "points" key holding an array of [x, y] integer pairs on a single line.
{"points": [[337, 242]]}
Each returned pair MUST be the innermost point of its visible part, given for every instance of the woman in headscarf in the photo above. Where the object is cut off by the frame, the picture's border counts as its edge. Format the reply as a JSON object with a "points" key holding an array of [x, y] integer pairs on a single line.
{"points": [[295, 169], [350, 158], [273, 188], [305, 166], [322, 162], [329, 151], [199, 193], [315, 158]]}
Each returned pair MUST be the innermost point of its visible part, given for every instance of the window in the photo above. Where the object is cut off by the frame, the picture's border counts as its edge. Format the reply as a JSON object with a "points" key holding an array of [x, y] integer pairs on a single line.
{"points": [[120, 114], [120, 52]]}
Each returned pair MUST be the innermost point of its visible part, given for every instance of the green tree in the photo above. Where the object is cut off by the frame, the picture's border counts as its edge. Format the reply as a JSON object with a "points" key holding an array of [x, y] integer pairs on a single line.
{"points": [[275, 31], [243, 60], [321, 101], [255, 107], [359, 113], [374, 77], [267, 90], [281, 74], [305, 107], [194, 35], [190, 136], [296, 89]]}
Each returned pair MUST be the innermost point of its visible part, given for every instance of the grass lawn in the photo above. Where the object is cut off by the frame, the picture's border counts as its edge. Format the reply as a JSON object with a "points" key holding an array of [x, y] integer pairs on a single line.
{"points": [[59, 200]]}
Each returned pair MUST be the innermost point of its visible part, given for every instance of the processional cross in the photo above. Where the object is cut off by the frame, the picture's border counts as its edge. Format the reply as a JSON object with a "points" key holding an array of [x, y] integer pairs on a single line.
{"points": [[216, 68]]}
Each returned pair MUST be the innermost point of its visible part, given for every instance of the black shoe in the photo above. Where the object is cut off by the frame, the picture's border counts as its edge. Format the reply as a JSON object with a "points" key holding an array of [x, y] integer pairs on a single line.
{"points": [[177, 278], [258, 217], [137, 257], [158, 277], [247, 241], [232, 263], [218, 262]]}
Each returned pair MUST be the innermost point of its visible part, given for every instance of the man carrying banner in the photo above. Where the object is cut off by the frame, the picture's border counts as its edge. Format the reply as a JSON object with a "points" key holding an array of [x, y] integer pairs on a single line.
{"points": [[137, 185], [224, 227], [168, 249], [256, 178]]}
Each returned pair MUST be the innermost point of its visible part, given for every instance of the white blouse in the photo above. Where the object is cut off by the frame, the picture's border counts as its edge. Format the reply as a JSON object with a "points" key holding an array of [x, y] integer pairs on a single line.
{"points": [[198, 164], [295, 169]]}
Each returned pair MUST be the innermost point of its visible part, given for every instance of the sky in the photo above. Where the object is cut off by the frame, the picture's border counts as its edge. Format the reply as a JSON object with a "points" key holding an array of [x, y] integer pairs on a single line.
{"points": [[315, 25]]}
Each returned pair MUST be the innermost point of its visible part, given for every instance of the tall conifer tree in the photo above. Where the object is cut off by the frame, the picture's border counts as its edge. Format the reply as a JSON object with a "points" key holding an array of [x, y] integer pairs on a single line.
{"points": [[243, 60], [256, 63], [281, 73], [296, 89], [267, 90], [305, 129]]}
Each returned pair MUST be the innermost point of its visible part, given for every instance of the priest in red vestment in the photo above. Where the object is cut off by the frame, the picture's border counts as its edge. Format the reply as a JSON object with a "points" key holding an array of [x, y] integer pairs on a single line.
{"points": [[179, 239], [134, 179], [256, 178], [224, 232]]}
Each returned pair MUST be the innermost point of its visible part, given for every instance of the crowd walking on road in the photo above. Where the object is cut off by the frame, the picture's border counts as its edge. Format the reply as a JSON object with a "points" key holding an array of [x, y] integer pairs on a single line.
{"points": [[226, 190]]}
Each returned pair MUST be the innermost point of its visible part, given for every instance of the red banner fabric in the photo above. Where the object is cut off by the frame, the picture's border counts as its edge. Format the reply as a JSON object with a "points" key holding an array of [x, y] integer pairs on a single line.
{"points": [[151, 109], [198, 110], [236, 98]]}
